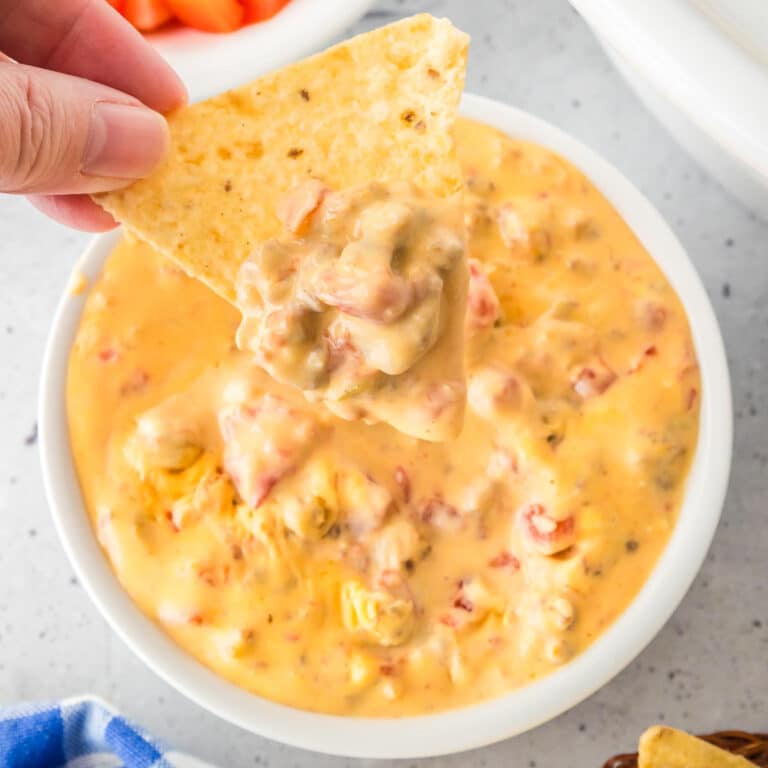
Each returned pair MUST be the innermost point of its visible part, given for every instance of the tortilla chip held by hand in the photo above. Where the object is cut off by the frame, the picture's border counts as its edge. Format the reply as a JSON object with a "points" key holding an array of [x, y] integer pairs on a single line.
{"points": [[380, 106]]}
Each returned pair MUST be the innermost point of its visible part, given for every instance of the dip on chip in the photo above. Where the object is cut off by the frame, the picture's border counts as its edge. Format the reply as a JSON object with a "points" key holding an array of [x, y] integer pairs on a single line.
{"points": [[251, 166], [361, 304]]}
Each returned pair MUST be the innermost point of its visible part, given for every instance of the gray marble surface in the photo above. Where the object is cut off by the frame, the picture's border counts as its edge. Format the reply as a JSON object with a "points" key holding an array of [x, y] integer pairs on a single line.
{"points": [[706, 669]]}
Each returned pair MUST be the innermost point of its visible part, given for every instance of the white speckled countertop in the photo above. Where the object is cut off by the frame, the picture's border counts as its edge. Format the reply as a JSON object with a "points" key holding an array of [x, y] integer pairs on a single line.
{"points": [[706, 670]]}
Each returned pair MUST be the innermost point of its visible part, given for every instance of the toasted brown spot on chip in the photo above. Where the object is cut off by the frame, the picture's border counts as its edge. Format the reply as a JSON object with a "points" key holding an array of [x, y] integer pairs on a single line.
{"points": [[304, 93], [295, 152], [253, 150]]}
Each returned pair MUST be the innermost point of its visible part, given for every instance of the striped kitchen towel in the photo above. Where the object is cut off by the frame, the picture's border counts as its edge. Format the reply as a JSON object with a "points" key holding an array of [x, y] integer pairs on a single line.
{"points": [[83, 732]]}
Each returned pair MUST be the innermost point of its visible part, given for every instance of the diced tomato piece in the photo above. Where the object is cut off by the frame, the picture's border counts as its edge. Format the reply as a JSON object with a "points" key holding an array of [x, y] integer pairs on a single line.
{"points": [[209, 15], [403, 479], [543, 532], [175, 615], [264, 440], [295, 209], [440, 514], [463, 604], [145, 15], [483, 308], [341, 351], [505, 560], [642, 357], [470, 605], [592, 380], [108, 355], [373, 294], [495, 391], [116, 4], [443, 399], [261, 10], [502, 464], [651, 315]]}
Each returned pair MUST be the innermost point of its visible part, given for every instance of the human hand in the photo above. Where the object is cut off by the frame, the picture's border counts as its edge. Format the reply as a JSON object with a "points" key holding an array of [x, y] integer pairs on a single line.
{"points": [[81, 94]]}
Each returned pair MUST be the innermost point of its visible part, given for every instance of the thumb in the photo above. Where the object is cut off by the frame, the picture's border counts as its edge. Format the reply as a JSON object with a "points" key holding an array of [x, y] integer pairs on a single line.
{"points": [[63, 135]]}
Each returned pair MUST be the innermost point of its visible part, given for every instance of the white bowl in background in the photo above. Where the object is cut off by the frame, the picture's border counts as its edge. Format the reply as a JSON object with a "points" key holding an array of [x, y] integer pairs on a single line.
{"points": [[489, 721], [210, 63], [701, 66]]}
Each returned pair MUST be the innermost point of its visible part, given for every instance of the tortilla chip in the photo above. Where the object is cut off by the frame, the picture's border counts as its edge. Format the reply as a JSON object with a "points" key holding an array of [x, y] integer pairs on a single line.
{"points": [[380, 106], [663, 747]]}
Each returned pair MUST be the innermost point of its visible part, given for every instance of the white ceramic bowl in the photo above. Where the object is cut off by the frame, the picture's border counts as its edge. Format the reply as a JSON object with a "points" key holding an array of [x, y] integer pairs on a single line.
{"points": [[211, 63], [483, 723], [701, 66]]}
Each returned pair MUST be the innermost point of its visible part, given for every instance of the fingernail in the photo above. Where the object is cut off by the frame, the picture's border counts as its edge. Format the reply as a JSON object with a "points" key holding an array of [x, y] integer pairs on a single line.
{"points": [[124, 142]]}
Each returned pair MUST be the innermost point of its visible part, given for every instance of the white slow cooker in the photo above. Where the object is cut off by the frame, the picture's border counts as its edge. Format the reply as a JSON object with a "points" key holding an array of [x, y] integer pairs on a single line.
{"points": [[701, 66]]}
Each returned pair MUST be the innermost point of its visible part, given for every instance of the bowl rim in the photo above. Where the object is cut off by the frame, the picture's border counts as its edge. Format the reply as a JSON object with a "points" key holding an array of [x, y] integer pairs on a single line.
{"points": [[488, 721]]}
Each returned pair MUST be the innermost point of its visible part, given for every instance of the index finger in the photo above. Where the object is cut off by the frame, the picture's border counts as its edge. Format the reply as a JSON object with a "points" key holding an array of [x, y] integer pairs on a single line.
{"points": [[88, 38]]}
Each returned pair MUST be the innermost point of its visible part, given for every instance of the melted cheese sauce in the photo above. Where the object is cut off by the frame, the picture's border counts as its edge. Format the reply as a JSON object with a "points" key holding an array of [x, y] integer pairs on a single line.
{"points": [[361, 305], [353, 569]]}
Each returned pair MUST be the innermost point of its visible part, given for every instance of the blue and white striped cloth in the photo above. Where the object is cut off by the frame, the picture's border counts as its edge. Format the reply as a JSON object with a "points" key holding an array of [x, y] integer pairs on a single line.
{"points": [[80, 733]]}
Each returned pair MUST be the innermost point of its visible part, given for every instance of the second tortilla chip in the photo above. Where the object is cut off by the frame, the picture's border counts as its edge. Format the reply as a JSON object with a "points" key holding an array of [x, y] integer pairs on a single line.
{"points": [[664, 747]]}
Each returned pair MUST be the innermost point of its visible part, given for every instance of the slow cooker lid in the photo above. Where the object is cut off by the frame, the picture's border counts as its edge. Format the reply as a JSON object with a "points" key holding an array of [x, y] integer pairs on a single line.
{"points": [[744, 21], [710, 57]]}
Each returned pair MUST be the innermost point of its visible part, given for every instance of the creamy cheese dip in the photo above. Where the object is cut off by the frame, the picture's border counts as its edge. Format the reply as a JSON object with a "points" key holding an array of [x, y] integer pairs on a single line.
{"points": [[350, 568]]}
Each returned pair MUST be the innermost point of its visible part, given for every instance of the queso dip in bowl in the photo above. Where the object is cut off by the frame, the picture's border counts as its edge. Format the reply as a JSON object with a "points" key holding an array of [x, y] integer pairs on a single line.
{"points": [[508, 574]]}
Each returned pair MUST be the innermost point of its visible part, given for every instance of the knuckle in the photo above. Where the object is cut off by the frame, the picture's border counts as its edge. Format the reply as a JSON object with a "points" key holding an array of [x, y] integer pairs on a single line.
{"points": [[29, 145]]}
